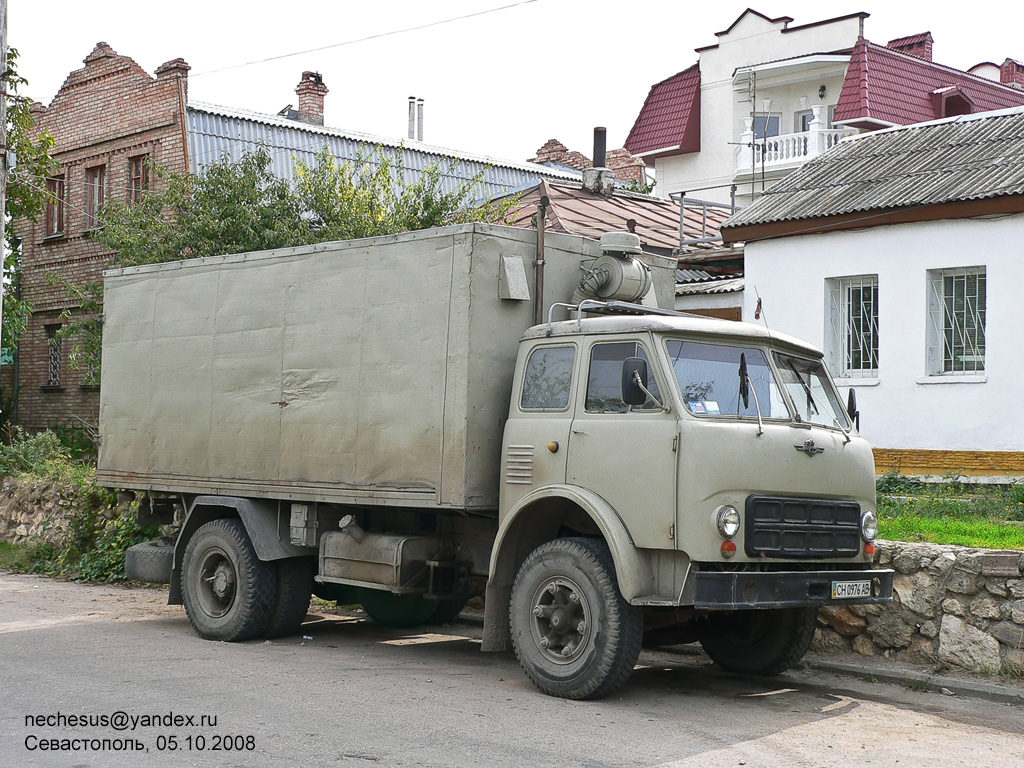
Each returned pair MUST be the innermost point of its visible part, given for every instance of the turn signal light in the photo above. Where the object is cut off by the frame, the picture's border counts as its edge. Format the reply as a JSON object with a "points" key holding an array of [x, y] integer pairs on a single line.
{"points": [[728, 548], [869, 550]]}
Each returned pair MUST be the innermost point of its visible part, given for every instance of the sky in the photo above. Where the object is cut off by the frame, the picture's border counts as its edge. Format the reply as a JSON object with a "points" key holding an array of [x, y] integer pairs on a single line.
{"points": [[497, 83]]}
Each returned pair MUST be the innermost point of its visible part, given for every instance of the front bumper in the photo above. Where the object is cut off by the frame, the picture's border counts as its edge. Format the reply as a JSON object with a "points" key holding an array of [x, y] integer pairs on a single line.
{"points": [[786, 589]]}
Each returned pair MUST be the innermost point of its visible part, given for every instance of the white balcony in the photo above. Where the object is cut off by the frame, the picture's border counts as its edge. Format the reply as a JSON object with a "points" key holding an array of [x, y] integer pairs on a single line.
{"points": [[789, 150]]}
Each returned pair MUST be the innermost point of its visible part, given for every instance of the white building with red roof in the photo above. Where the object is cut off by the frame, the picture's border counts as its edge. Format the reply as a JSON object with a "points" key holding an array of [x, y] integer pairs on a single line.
{"points": [[769, 95]]}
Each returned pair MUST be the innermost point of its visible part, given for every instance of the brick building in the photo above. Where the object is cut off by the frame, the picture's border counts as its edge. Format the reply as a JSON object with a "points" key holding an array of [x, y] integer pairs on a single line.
{"points": [[107, 119]]}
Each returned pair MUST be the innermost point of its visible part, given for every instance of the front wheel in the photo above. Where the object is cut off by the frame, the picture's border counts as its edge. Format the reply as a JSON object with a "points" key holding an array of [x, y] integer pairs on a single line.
{"points": [[759, 642], [574, 634], [229, 593]]}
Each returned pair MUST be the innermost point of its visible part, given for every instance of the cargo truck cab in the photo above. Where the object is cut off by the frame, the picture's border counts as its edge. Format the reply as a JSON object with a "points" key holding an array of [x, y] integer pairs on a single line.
{"points": [[706, 468]]}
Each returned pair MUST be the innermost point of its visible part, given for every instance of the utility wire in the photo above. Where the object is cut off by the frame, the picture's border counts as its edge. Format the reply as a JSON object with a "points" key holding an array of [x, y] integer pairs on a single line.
{"points": [[377, 36]]}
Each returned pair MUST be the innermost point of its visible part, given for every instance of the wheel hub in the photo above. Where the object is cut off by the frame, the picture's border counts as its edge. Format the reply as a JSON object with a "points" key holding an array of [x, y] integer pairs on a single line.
{"points": [[216, 583], [222, 581], [561, 625]]}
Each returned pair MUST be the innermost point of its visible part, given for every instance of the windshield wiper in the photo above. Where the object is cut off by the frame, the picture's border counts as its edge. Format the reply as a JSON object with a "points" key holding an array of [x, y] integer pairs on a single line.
{"points": [[813, 401], [746, 387]]}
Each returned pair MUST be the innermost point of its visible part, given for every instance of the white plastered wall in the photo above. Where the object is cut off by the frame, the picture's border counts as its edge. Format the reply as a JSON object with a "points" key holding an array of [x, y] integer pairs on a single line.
{"points": [[752, 41], [905, 407]]}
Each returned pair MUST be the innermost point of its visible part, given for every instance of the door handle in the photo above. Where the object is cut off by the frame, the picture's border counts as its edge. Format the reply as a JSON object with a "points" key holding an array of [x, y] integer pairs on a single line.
{"points": [[578, 432]]}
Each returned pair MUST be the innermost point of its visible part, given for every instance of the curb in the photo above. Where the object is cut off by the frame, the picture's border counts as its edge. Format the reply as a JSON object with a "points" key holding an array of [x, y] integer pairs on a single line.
{"points": [[907, 678], [921, 681]]}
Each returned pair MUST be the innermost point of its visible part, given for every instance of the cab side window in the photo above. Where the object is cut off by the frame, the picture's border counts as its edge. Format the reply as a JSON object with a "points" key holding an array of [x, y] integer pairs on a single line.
{"points": [[604, 385], [548, 379]]}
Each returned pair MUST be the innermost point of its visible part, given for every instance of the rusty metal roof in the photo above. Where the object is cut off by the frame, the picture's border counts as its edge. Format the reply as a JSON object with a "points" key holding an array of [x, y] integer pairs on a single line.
{"points": [[971, 157], [576, 210]]}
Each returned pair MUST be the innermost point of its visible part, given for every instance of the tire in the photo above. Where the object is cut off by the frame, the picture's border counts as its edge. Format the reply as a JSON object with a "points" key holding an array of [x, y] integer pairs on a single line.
{"points": [[445, 611], [149, 562], [229, 593], [566, 582], [760, 642], [294, 588], [398, 611]]}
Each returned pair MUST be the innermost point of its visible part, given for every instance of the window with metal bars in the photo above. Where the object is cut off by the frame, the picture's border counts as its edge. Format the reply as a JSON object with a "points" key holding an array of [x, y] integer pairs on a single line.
{"points": [[54, 356], [853, 326], [956, 320]]}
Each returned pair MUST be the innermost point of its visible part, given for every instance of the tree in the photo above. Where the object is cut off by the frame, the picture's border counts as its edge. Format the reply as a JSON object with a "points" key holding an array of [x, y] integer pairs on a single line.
{"points": [[239, 206], [26, 194]]}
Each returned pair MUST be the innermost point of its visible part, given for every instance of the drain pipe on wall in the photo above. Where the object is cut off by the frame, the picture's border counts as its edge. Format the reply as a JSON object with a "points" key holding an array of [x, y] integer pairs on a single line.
{"points": [[542, 210]]}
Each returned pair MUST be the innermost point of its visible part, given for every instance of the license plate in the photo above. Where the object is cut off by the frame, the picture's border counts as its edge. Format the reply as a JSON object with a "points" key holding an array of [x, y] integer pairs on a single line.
{"points": [[842, 590]]}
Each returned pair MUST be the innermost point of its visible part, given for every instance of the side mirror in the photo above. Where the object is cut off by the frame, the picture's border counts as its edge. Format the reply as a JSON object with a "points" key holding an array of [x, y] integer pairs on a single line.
{"points": [[851, 407], [744, 381], [632, 392]]}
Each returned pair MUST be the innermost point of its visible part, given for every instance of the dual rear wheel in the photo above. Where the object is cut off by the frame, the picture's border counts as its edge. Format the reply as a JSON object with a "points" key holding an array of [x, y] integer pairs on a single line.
{"points": [[232, 595]]}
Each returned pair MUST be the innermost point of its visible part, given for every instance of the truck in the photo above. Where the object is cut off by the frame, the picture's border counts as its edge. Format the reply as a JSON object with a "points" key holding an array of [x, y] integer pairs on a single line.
{"points": [[406, 421]]}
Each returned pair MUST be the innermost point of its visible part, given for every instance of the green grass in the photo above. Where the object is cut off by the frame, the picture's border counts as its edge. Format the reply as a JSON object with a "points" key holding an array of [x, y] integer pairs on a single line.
{"points": [[952, 512], [966, 531]]}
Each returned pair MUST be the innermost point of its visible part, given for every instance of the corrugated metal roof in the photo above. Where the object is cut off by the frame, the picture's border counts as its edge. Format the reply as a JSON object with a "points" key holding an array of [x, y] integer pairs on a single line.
{"points": [[670, 117], [578, 211], [215, 132], [704, 288], [896, 88], [965, 158]]}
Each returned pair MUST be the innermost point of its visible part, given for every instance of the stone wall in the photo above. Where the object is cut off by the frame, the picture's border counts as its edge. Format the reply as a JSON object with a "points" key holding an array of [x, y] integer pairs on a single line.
{"points": [[952, 605], [36, 510]]}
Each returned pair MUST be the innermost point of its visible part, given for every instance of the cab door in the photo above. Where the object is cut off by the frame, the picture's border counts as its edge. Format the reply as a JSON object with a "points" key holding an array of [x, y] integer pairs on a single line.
{"points": [[536, 435], [625, 454]]}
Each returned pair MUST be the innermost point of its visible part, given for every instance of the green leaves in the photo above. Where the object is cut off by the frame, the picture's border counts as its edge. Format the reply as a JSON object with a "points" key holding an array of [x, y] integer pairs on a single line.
{"points": [[240, 205]]}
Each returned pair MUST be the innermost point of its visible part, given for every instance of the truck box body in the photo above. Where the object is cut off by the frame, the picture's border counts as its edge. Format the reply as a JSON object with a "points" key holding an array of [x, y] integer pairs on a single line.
{"points": [[372, 371]]}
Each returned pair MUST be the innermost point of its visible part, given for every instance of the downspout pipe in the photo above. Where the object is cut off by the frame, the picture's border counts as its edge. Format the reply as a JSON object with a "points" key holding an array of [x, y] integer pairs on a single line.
{"points": [[538, 307]]}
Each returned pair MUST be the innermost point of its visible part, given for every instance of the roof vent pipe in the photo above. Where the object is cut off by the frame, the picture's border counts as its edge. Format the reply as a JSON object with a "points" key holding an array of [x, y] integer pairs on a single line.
{"points": [[600, 141], [412, 117], [419, 119]]}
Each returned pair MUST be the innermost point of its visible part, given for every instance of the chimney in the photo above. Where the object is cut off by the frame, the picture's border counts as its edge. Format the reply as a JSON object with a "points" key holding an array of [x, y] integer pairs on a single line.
{"points": [[599, 179], [412, 117], [419, 119], [311, 91], [174, 68], [919, 45], [1012, 73]]}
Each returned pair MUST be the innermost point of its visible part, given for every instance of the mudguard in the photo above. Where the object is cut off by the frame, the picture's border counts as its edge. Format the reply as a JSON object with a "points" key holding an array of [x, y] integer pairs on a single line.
{"points": [[632, 570]]}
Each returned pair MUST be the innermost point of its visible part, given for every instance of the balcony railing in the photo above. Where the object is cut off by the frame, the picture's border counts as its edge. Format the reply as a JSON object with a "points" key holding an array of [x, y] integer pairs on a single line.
{"points": [[789, 150]]}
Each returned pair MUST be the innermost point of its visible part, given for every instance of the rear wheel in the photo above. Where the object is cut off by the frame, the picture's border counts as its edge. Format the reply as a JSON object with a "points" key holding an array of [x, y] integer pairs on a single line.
{"points": [[294, 587], [574, 634], [229, 593], [760, 642]]}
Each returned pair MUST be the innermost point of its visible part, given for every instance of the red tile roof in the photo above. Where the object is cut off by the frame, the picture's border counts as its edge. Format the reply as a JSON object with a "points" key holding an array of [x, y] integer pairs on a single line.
{"points": [[896, 88], [669, 122]]}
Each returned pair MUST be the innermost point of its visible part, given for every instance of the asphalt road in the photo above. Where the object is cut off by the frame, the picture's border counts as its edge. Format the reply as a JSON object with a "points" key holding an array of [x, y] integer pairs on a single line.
{"points": [[360, 695]]}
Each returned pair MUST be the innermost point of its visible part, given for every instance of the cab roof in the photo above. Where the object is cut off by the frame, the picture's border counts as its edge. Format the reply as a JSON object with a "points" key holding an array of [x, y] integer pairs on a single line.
{"points": [[729, 331]]}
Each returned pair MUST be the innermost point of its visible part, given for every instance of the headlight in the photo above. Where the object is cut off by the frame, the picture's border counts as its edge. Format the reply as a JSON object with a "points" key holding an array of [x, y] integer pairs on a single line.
{"points": [[869, 526], [727, 519]]}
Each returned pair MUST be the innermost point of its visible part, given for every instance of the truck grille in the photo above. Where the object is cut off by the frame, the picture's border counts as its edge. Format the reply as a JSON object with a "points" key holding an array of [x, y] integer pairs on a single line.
{"points": [[790, 527]]}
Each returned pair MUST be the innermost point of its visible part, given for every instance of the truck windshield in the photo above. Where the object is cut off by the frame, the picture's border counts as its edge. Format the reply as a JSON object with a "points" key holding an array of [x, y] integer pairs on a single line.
{"points": [[811, 391], [709, 380]]}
